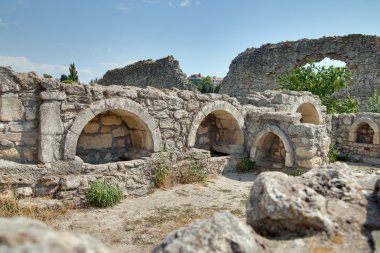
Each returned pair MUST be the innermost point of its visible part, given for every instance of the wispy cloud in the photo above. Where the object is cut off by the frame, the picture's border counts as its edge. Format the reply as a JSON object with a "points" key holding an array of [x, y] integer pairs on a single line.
{"points": [[23, 64], [122, 7], [185, 3], [2, 23], [170, 4]]}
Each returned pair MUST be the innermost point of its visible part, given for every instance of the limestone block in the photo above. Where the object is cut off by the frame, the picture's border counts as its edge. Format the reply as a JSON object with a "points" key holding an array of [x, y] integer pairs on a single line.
{"points": [[95, 142], [48, 146], [180, 114], [91, 128], [11, 109], [81, 121], [24, 192], [26, 235], [223, 232], [306, 152], [11, 153], [120, 131], [119, 143], [50, 118], [5, 144], [105, 130], [192, 105], [111, 120], [53, 95], [310, 163], [166, 124]]}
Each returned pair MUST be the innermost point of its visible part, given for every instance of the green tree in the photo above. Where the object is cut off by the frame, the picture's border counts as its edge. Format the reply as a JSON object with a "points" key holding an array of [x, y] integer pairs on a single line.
{"points": [[206, 85], [323, 82], [73, 73], [47, 76]]}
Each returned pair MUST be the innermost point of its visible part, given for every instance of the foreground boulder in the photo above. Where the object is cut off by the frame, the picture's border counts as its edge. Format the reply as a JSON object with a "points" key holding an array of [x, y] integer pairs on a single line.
{"points": [[223, 232], [30, 236], [324, 199], [279, 204]]}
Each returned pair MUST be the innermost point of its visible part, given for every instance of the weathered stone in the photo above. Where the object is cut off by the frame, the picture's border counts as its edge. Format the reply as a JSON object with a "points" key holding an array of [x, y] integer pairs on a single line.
{"points": [[222, 232], [91, 128], [163, 73], [310, 163], [279, 205], [11, 153], [334, 183], [306, 152], [11, 109], [257, 69], [24, 192], [111, 120], [50, 120], [30, 236], [95, 142]]}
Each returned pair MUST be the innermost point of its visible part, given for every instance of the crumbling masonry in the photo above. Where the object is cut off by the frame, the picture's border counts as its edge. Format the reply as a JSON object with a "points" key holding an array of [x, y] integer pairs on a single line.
{"points": [[55, 138]]}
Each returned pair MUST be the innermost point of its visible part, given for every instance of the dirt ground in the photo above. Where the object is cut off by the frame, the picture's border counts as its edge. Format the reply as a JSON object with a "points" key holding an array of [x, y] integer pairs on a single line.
{"points": [[138, 224]]}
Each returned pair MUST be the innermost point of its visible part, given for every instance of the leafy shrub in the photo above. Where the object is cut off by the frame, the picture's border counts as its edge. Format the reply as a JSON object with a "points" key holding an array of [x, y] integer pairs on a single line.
{"points": [[194, 173], [245, 165], [295, 172], [323, 82], [374, 103], [103, 194]]}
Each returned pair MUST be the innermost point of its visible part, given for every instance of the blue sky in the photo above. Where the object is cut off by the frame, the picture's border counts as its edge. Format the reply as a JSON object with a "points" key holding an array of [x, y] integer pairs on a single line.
{"points": [[204, 35]]}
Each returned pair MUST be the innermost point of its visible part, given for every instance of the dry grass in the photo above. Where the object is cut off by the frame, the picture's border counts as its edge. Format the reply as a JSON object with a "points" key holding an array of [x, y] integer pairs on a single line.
{"points": [[163, 220], [10, 206]]}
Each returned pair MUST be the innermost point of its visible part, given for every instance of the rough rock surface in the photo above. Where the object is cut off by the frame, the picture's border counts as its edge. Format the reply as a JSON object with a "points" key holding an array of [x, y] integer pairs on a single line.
{"points": [[257, 69], [279, 204], [162, 73], [30, 236], [223, 232]]}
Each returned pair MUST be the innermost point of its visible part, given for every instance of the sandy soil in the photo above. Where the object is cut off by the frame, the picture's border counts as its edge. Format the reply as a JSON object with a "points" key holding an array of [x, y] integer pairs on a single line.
{"points": [[138, 224]]}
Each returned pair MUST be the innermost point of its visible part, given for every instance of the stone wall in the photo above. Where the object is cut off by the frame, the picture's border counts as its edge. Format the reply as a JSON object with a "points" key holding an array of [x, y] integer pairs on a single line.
{"points": [[121, 131], [357, 135], [257, 69], [162, 73], [19, 110]]}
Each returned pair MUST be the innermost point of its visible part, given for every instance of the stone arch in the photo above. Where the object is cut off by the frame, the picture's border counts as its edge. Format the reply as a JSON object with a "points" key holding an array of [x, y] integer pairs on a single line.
{"points": [[310, 111], [122, 107], [353, 131], [268, 134], [229, 122]]}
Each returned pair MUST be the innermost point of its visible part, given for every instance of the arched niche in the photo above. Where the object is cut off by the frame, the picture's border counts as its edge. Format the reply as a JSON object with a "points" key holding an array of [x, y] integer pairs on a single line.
{"points": [[218, 127], [105, 123], [272, 146], [364, 130], [309, 109], [309, 114]]}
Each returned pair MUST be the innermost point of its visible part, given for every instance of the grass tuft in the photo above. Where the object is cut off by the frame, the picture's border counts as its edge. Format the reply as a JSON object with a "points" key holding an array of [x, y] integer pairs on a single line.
{"points": [[103, 194]]}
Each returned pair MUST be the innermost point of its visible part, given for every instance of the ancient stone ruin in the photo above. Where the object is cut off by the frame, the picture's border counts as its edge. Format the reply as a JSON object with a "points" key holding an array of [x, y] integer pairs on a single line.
{"points": [[162, 73], [56, 138], [257, 69]]}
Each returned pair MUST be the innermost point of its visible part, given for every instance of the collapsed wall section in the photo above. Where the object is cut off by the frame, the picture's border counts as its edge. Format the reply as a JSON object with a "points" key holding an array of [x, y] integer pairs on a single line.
{"points": [[162, 73], [257, 69]]}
